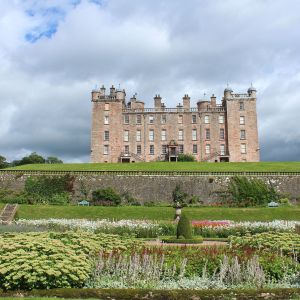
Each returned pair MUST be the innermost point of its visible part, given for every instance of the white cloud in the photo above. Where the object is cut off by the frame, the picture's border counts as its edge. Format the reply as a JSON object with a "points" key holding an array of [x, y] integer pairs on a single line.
{"points": [[167, 47]]}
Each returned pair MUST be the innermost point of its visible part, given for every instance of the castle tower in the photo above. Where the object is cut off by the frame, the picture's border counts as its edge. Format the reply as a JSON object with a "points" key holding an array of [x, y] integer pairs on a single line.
{"points": [[241, 125], [106, 134]]}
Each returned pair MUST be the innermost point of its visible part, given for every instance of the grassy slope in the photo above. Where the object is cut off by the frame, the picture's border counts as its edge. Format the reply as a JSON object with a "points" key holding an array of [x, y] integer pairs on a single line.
{"points": [[159, 213], [188, 166]]}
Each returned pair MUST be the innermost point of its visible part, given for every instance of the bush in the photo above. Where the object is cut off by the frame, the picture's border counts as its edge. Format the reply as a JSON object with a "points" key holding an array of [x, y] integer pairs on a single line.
{"points": [[249, 192], [48, 189], [186, 157], [184, 227], [106, 197], [178, 195], [284, 242], [52, 260], [12, 196], [285, 202]]}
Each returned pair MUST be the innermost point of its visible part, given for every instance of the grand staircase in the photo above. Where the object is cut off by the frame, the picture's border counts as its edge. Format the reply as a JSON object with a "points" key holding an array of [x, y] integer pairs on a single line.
{"points": [[8, 213]]}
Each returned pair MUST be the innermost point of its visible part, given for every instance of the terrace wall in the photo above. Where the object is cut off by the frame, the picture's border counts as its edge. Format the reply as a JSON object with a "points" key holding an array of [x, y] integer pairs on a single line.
{"points": [[157, 186]]}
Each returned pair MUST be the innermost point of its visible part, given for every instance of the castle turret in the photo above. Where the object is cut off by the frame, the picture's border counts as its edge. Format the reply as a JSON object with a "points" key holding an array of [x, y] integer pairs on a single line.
{"points": [[112, 91], [252, 91], [120, 95], [227, 92], [102, 91]]}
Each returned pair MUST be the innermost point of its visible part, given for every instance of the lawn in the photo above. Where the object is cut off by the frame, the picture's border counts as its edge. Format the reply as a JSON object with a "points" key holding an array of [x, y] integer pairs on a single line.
{"points": [[158, 213], [173, 166]]}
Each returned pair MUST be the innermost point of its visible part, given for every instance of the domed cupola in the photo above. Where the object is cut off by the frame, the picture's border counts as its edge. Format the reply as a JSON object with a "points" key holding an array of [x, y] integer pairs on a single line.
{"points": [[228, 89], [251, 89]]}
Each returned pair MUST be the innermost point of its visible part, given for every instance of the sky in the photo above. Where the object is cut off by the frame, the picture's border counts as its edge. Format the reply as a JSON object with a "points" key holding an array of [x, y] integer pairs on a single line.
{"points": [[54, 52]]}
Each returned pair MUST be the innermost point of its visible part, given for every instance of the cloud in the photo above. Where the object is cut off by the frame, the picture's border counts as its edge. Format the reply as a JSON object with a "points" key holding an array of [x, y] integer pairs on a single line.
{"points": [[52, 53]]}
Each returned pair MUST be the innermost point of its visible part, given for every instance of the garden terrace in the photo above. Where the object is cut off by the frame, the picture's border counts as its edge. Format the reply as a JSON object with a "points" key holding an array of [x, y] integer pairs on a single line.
{"points": [[277, 168], [157, 213]]}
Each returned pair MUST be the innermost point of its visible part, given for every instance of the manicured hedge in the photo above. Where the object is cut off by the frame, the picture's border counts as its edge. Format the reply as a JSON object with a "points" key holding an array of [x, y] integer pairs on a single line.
{"points": [[129, 294], [183, 241]]}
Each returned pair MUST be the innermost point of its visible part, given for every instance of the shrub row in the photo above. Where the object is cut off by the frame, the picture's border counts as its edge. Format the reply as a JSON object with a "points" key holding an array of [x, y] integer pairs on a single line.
{"points": [[129, 294]]}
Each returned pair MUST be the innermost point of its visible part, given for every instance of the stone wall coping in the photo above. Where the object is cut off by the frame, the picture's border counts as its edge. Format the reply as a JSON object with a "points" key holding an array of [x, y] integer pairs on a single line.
{"points": [[150, 173]]}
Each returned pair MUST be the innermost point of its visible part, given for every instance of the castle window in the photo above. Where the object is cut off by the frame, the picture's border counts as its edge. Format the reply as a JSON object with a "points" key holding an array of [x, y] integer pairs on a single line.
{"points": [[221, 119], [207, 149], [243, 134], [164, 149], [126, 149], [106, 120], [180, 148], [151, 135], [126, 119], [207, 134], [163, 119], [151, 149], [180, 119], [126, 136], [138, 119], [106, 135], [180, 134], [243, 148], [222, 133], [138, 149], [164, 135], [222, 149], [206, 119], [106, 106], [151, 119], [105, 149], [242, 120], [194, 119], [242, 107], [138, 135], [194, 134], [195, 149]]}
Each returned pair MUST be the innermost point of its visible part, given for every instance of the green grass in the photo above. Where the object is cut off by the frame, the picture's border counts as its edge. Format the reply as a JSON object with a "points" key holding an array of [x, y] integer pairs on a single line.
{"points": [[172, 166], [158, 213]]}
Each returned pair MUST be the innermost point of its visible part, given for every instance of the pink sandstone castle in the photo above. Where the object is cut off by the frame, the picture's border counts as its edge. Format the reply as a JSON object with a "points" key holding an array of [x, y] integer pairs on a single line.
{"points": [[128, 132]]}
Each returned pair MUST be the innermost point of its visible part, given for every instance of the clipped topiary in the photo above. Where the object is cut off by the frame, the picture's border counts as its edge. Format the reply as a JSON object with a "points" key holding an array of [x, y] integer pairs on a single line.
{"points": [[184, 227]]}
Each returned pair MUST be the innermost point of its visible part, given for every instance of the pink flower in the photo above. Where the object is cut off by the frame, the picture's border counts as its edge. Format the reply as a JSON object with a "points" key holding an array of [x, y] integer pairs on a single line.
{"points": [[208, 223]]}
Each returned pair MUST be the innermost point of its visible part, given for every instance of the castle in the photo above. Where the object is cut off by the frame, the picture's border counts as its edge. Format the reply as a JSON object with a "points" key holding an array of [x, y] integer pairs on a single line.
{"points": [[129, 132]]}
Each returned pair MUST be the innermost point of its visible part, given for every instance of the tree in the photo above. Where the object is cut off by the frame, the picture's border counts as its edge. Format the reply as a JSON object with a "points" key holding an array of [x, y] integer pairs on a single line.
{"points": [[33, 158], [178, 195], [3, 162], [53, 160]]}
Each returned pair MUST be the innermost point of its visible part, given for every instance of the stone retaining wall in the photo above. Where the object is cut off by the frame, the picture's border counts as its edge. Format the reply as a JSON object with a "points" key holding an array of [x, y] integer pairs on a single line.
{"points": [[156, 187]]}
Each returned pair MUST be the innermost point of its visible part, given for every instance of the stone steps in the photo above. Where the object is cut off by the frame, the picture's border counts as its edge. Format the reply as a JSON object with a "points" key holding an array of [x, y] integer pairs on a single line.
{"points": [[8, 213]]}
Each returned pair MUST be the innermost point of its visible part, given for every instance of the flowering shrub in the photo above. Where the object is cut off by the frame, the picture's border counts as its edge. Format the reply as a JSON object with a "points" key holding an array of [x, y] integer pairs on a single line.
{"points": [[283, 242], [52, 260]]}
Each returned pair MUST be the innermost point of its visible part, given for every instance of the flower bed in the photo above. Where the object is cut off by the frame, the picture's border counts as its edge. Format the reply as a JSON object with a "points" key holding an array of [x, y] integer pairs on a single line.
{"points": [[227, 228], [150, 229], [137, 228]]}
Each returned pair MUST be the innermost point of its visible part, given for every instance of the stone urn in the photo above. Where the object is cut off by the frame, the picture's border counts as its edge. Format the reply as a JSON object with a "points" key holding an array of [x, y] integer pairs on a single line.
{"points": [[178, 208]]}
